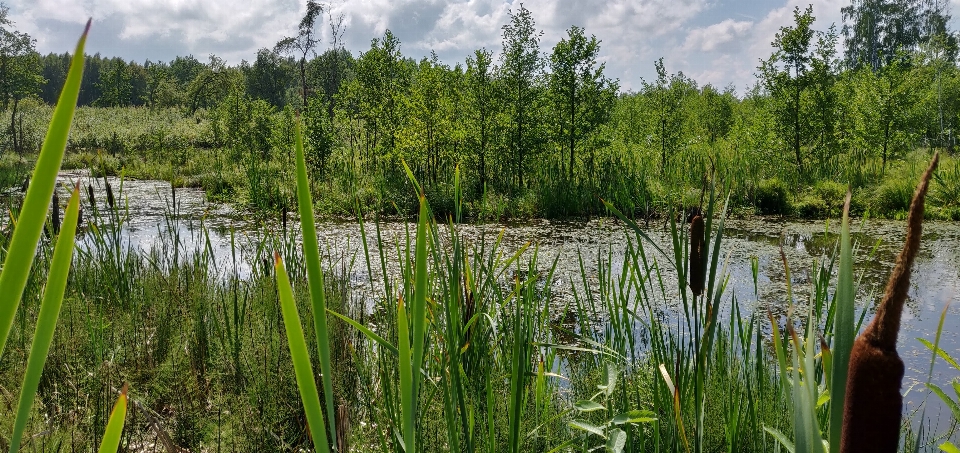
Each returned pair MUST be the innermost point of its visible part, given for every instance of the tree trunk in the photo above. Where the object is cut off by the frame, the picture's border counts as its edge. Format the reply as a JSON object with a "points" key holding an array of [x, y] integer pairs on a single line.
{"points": [[796, 130], [13, 128], [573, 128]]}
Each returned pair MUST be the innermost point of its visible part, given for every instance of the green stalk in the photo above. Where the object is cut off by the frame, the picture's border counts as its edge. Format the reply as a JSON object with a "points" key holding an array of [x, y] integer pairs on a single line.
{"points": [[407, 405], [843, 331], [419, 314], [23, 245], [111, 436], [311, 251], [301, 359], [47, 319]]}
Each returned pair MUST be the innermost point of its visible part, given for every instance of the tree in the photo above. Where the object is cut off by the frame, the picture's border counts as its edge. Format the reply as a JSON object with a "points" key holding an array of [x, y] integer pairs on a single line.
{"points": [[786, 77], [715, 112], [382, 81], [520, 73], [114, 85], [667, 96], [54, 73], [333, 67], [882, 104], [268, 78], [213, 84], [583, 97], [481, 110], [19, 68], [823, 103], [875, 30], [304, 43]]}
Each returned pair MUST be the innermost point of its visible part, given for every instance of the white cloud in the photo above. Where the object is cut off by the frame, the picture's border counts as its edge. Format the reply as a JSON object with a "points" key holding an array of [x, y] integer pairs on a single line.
{"points": [[705, 39], [718, 36]]}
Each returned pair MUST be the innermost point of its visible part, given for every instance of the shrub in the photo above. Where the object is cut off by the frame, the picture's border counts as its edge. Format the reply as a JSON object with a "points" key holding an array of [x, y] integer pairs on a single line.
{"points": [[811, 206], [892, 196], [771, 197], [832, 194]]}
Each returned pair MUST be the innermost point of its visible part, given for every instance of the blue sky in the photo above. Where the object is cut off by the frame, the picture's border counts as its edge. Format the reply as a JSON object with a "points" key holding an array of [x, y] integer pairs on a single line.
{"points": [[713, 41]]}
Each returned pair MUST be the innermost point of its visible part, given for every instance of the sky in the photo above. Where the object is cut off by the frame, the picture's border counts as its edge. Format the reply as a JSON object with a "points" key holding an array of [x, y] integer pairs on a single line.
{"points": [[713, 41]]}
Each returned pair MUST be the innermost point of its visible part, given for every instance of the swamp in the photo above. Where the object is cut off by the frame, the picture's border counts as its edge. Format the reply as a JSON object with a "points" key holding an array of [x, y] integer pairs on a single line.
{"points": [[324, 250]]}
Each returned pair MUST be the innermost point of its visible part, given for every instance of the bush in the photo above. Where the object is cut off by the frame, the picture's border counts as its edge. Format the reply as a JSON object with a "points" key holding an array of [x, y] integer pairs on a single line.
{"points": [[771, 197], [832, 194], [811, 206], [893, 196]]}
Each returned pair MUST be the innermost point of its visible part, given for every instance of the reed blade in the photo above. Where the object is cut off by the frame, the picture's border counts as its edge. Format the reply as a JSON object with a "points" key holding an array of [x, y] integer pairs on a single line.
{"points": [[47, 319], [23, 244], [301, 358], [843, 330], [311, 253], [111, 436]]}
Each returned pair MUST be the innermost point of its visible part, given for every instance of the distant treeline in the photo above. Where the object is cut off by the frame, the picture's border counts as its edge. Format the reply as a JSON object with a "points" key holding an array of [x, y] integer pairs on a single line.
{"points": [[553, 124]]}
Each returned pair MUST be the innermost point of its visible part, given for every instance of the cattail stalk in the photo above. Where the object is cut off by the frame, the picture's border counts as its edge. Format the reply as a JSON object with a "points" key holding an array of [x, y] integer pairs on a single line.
{"points": [[55, 217], [873, 404], [697, 264]]}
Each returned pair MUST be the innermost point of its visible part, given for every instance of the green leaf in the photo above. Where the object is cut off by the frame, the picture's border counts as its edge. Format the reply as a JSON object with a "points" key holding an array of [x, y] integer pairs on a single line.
{"points": [[954, 407], [311, 252], [301, 358], [366, 331], [588, 427], [111, 436], [609, 379], [616, 441], [634, 416], [940, 352], [949, 447], [588, 406], [780, 438], [47, 319], [843, 330], [33, 213]]}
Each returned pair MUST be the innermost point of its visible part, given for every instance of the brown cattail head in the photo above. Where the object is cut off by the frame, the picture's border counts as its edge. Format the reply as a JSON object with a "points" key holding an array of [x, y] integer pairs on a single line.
{"points": [[697, 266], [873, 403], [110, 195], [885, 326], [55, 217]]}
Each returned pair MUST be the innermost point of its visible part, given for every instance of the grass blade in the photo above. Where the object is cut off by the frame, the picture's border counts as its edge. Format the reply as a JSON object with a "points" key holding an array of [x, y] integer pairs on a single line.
{"points": [[366, 331], [23, 244], [301, 359], [843, 330], [111, 436], [407, 404], [47, 319], [311, 252]]}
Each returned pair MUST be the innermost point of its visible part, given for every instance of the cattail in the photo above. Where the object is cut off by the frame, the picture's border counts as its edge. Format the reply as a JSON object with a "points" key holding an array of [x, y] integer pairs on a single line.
{"points": [[872, 406], [93, 201], [55, 218], [110, 195], [697, 266], [173, 197]]}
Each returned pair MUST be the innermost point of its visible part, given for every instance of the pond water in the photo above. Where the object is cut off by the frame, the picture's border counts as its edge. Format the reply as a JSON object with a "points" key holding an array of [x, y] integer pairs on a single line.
{"points": [[935, 283]]}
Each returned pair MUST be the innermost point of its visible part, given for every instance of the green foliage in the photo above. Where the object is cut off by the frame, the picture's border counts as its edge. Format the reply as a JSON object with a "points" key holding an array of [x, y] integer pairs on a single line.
{"points": [[771, 197]]}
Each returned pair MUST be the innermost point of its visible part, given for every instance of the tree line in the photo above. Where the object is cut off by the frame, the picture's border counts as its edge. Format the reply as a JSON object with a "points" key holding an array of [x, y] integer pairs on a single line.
{"points": [[552, 121]]}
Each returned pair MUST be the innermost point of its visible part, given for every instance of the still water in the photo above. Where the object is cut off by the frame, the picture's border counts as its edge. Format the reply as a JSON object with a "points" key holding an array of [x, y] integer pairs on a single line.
{"points": [[148, 207]]}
